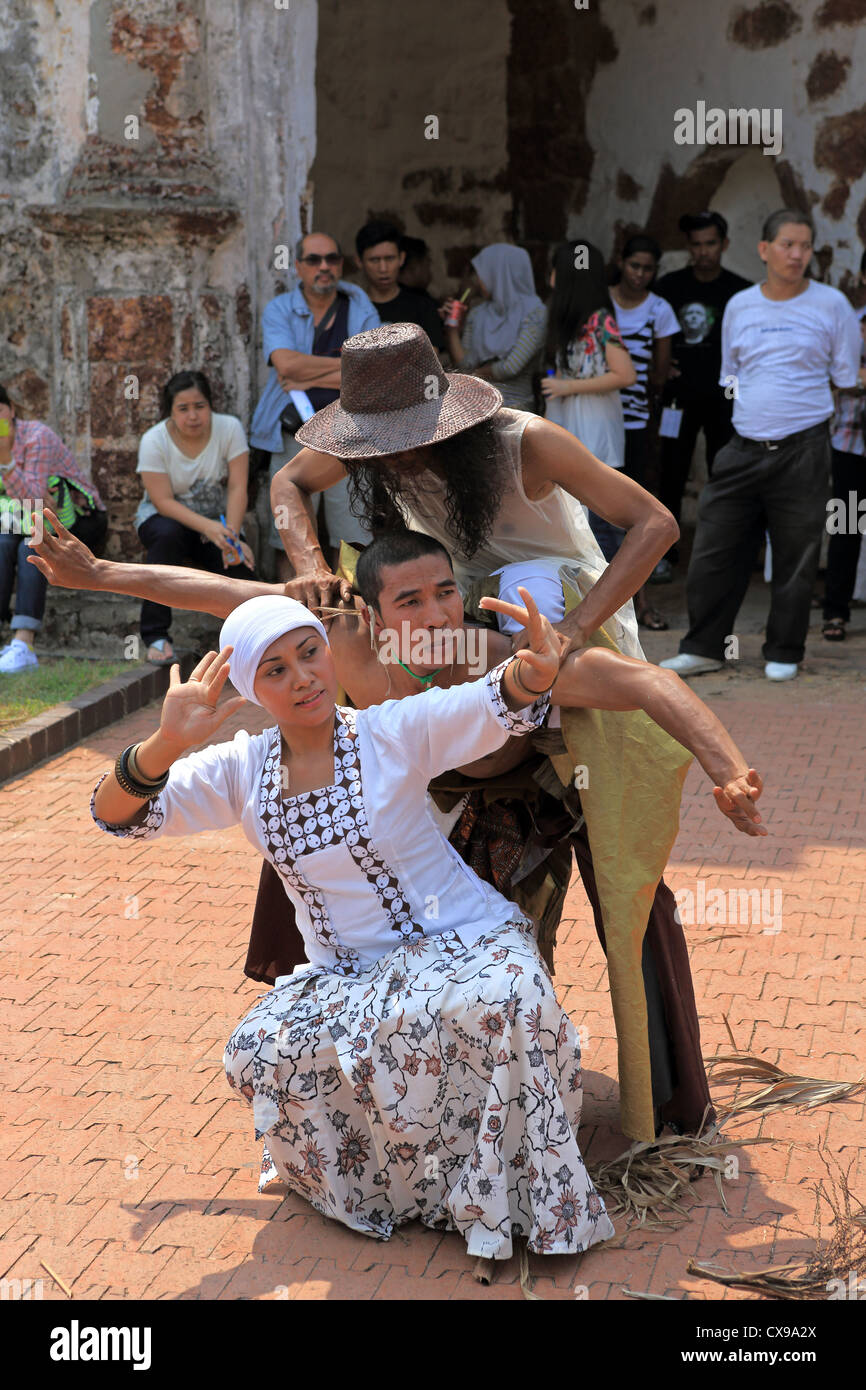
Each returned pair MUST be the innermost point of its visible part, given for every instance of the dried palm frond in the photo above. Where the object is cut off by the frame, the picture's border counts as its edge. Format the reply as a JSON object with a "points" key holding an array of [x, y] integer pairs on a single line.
{"points": [[812, 1274], [656, 1297], [56, 1277], [780, 1088], [526, 1280], [650, 1178], [730, 1034]]}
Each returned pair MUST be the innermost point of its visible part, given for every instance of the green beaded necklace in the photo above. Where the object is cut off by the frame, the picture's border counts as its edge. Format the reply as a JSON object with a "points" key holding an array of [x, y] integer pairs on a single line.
{"points": [[423, 680]]}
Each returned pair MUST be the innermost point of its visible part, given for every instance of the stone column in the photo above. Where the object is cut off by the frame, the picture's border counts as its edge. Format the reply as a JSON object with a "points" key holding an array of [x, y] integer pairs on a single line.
{"points": [[144, 240]]}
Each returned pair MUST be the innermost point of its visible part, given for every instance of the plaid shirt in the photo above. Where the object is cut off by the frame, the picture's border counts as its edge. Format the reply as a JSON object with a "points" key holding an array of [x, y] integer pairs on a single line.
{"points": [[37, 454], [850, 418]]}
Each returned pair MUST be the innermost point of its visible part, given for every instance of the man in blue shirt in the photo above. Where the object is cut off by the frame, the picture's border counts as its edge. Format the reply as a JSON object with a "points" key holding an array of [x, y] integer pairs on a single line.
{"points": [[303, 332]]}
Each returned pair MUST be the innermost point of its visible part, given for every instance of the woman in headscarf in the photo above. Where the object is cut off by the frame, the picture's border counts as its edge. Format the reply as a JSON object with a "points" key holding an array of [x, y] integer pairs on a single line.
{"points": [[419, 1066], [504, 335]]}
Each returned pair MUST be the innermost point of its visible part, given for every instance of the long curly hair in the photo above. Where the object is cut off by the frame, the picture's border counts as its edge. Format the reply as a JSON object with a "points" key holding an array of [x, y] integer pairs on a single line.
{"points": [[475, 476]]}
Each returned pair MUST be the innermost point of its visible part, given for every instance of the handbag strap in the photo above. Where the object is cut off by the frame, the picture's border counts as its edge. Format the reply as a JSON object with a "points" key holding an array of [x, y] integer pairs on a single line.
{"points": [[326, 321]]}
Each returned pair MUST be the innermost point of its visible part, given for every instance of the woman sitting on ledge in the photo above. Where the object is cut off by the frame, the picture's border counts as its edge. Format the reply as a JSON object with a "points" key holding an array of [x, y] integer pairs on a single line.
{"points": [[420, 1065], [194, 465], [36, 471]]}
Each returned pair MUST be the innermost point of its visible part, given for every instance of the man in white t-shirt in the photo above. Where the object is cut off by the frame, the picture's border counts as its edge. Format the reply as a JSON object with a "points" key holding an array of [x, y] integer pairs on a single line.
{"points": [[784, 343]]}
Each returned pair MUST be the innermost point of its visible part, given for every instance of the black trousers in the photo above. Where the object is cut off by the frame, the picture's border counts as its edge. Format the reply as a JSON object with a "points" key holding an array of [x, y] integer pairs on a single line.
{"points": [[712, 414], [169, 542], [638, 455], [781, 489], [843, 555]]}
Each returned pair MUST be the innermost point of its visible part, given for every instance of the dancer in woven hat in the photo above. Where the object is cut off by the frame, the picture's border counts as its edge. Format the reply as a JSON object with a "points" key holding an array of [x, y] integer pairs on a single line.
{"points": [[420, 1066], [495, 486]]}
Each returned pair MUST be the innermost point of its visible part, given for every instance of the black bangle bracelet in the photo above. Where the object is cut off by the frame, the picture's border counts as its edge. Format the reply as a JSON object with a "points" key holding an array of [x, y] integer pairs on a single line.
{"points": [[130, 784], [135, 772], [536, 694]]}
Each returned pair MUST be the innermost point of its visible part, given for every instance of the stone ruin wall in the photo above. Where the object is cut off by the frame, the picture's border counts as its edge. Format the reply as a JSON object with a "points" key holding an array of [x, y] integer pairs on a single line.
{"points": [[133, 258], [806, 58], [557, 120], [152, 156]]}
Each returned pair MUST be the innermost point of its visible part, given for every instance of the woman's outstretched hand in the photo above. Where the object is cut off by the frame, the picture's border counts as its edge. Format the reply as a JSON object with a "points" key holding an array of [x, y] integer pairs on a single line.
{"points": [[189, 711], [541, 658]]}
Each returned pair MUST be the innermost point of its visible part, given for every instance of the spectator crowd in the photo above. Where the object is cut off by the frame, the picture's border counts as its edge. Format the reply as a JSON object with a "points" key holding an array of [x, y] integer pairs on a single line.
{"points": [[635, 367]]}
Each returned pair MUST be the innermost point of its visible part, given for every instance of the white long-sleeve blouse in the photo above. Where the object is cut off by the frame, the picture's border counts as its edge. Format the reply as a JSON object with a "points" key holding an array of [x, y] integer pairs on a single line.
{"points": [[363, 859]]}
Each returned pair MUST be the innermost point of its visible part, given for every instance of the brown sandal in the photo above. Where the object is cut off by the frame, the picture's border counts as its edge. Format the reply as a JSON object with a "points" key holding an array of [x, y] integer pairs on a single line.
{"points": [[651, 618]]}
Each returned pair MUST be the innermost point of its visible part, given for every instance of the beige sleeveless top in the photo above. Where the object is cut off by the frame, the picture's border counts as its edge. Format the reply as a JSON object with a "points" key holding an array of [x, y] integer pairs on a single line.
{"points": [[555, 528]]}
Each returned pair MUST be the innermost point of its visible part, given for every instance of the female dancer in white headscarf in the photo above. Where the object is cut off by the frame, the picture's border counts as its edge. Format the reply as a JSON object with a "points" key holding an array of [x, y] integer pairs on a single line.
{"points": [[419, 1066]]}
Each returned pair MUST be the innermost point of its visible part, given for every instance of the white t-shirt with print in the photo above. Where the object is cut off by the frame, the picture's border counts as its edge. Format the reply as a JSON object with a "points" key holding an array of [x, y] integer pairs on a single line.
{"points": [[640, 326], [200, 482], [783, 355]]}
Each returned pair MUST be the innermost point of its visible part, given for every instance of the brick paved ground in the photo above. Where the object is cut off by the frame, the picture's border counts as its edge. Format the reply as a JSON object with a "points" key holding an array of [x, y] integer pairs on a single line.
{"points": [[128, 1167]]}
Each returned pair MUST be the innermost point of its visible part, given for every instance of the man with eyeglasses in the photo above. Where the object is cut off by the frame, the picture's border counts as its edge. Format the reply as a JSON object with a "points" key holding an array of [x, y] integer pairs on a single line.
{"points": [[303, 333]]}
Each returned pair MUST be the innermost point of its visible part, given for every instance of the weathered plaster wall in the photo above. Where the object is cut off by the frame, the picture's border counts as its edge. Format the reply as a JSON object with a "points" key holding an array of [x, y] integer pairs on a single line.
{"points": [[556, 120], [558, 55], [382, 70], [803, 58], [128, 258]]}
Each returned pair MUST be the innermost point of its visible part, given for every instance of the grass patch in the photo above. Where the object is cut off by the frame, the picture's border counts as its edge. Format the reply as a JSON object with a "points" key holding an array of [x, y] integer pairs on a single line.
{"points": [[24, 694]]}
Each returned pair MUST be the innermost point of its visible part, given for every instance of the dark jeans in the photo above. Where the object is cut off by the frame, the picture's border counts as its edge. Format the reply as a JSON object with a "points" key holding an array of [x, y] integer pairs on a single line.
{"points": [[609, 537], [754, 488], [169, 542], [92, 528], [712, 414], [31, 586], [843, 555], [638, 455]]}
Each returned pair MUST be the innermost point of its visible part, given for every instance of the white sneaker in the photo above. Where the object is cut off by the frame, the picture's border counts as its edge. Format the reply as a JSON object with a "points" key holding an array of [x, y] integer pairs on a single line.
{"points": [[781, 670], [687, 664], [18, 656]]}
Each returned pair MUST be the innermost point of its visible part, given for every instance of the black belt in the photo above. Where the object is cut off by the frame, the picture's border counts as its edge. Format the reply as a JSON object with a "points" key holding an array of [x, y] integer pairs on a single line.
{"points": [[821, 427]]}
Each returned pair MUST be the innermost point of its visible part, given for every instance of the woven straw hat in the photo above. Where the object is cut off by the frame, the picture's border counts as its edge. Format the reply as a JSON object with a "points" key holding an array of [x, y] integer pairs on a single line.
{"points": [[394, 396]]}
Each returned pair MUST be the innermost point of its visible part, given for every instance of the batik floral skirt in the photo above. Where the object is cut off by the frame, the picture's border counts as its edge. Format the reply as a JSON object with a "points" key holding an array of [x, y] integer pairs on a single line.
{"points": [[442, 1083]]}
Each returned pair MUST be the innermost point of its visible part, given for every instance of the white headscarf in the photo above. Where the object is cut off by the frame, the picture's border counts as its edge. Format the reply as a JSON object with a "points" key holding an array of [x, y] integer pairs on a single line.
{"points": [[252, 627], [507, 272]]}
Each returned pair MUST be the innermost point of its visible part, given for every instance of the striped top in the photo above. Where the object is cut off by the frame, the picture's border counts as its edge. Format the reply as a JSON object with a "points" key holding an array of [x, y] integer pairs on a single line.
{"points": [[640, 326], [513, 374]]}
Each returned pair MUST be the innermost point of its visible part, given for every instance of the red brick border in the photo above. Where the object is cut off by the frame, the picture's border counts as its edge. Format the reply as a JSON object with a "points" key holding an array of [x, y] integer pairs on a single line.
{"points": [[58, 728]]}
